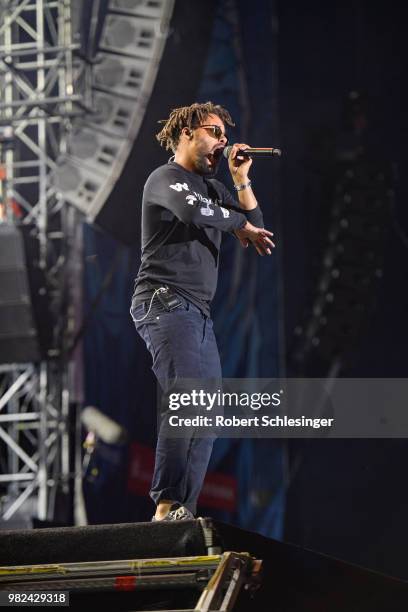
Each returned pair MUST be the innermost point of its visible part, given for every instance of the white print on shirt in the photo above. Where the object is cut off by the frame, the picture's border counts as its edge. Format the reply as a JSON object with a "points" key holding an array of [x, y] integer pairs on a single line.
{"points": [[202, 198], [207, 212], [191, 199], [225, 212], [179, 186]]}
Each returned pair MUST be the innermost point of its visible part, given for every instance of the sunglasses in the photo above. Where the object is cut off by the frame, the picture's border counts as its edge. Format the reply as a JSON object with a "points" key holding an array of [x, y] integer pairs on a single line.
{"points": [[216, 131]]}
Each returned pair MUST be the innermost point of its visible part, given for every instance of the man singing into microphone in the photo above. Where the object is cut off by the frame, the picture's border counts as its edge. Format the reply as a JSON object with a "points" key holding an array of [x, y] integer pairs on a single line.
{"points": [[184, 211]]}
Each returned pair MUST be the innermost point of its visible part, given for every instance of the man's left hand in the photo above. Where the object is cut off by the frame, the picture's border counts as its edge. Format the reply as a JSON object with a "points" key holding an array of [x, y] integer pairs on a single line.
{"points": [[239, 165]]}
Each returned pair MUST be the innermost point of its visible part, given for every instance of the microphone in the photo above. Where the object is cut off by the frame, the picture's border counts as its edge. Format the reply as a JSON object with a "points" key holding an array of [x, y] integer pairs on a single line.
{"points": [[254, 152]]}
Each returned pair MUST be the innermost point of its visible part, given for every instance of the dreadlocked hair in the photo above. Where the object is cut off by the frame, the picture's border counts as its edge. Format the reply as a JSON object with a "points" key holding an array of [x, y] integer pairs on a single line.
{"points": [[191, 117]]}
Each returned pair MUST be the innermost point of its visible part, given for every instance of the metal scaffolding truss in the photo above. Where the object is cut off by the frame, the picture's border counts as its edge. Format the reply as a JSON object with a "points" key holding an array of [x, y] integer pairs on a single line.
{"points": [[37, 74], [34, 433], [44, 85]]}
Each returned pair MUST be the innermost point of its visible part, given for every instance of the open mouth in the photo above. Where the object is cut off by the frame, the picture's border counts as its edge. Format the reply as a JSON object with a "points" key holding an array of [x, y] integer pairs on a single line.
{"points": [[215, 156]]}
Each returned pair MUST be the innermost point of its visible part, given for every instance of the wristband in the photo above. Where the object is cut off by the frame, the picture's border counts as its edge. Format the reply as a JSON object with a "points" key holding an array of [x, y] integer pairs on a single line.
{"points": [[243, 186]]}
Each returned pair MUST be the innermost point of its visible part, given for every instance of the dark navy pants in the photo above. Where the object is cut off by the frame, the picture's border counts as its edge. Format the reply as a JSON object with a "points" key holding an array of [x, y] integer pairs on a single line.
{"points": [[183, 346]]}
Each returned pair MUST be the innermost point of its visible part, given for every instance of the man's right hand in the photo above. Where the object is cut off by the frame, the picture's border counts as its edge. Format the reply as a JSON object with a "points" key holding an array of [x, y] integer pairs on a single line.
{"points": [[258, 236]]}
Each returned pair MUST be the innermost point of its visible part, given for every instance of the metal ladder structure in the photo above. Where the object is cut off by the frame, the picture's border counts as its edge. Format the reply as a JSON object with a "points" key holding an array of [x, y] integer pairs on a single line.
{"points": [[218, 579]]}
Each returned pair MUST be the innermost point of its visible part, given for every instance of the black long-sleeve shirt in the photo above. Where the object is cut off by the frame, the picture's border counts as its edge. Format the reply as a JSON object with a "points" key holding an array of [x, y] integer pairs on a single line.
{"points": [[183, 215]]}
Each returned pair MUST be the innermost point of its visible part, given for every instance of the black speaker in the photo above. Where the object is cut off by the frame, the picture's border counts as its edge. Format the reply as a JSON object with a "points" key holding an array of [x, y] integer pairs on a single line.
{"points": [[18, 333]]}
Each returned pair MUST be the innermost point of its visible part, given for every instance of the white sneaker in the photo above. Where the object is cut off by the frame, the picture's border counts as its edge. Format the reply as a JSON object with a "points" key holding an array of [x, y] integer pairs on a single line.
{"points": [[177, 512]]}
